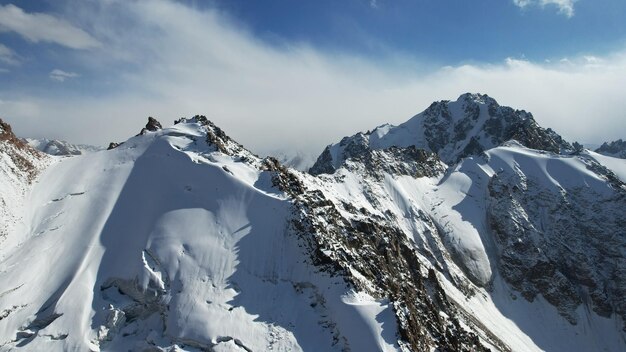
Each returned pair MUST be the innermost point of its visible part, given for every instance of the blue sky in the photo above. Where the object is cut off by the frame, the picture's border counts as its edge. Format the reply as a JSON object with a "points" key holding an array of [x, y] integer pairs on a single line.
{"points": [[445, 32], [301, 74]]}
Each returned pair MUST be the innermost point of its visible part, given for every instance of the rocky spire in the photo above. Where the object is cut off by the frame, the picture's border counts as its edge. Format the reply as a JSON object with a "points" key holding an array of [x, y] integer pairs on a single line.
{"points": [[152, 126]]}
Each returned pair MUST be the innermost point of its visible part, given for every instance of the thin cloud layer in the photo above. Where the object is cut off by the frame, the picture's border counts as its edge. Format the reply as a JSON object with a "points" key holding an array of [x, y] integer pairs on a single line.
{"points": [[292, 96], [40, 27], [566, 7], [61, 76], [8, 56]]}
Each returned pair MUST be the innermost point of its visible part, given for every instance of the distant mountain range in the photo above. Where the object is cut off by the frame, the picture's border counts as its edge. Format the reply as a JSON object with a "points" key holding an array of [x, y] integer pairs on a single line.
{"points": [[60, 148]]}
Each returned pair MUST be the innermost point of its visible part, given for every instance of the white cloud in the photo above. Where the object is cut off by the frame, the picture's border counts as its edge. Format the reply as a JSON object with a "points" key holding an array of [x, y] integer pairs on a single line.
{"points": [[522, 3], [61, 76], [8, 56], [566, 7], [40, 27], [293, 96]]}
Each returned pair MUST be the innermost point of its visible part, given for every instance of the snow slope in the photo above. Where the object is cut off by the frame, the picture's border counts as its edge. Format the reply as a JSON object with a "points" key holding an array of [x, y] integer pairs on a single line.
{"points": [[617, 165], [615, 149], [165, 242]]}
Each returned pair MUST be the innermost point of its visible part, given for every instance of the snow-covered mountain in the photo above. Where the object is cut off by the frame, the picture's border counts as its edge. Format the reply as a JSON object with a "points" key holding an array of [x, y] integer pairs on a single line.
{"points": [[468, 228], [175, 239], [616, 149], [60, 148], [452, 129], [531, 225]]}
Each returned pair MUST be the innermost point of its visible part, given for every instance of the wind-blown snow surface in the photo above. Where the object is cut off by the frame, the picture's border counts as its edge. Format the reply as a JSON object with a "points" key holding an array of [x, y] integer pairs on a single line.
{"points": [[165, 242], [617, 165]]}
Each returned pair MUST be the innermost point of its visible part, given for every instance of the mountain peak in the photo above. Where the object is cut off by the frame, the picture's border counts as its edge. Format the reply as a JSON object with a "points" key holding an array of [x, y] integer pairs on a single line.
{"points": [[215, 136], [615, 149], [477, 98], [152, 126], [452, 129]]}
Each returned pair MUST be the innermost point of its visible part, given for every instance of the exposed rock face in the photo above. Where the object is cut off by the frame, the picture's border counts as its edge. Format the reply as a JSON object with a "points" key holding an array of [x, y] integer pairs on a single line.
{"points": [[375, 256], [394, 160], [567, 244], [453, 130], [151, 126], [20, 154], [19, 165], [616, 149], [323, 164]]}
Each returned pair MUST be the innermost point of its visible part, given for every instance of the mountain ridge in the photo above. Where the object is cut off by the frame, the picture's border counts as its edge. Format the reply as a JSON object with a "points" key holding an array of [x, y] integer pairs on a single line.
{"points": [[453, 130], [391, 249], [615, 149]]}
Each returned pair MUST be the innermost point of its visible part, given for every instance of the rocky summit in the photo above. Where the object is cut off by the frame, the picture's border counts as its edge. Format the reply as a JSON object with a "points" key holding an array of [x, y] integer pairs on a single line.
{"points": [[451, 129], [467, 228], [615, 149]]}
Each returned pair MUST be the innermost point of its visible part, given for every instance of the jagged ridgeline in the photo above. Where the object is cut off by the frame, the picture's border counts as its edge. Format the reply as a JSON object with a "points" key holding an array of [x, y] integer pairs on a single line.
{"points": [[467, 228], [615, 149], [453, 130]]}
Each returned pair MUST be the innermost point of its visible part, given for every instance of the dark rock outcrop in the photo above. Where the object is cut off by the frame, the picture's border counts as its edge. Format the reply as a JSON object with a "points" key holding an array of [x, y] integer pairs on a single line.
{"points": [[615, 149], [20, 153], [382, 254], [567, 246], [152, 126]]}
